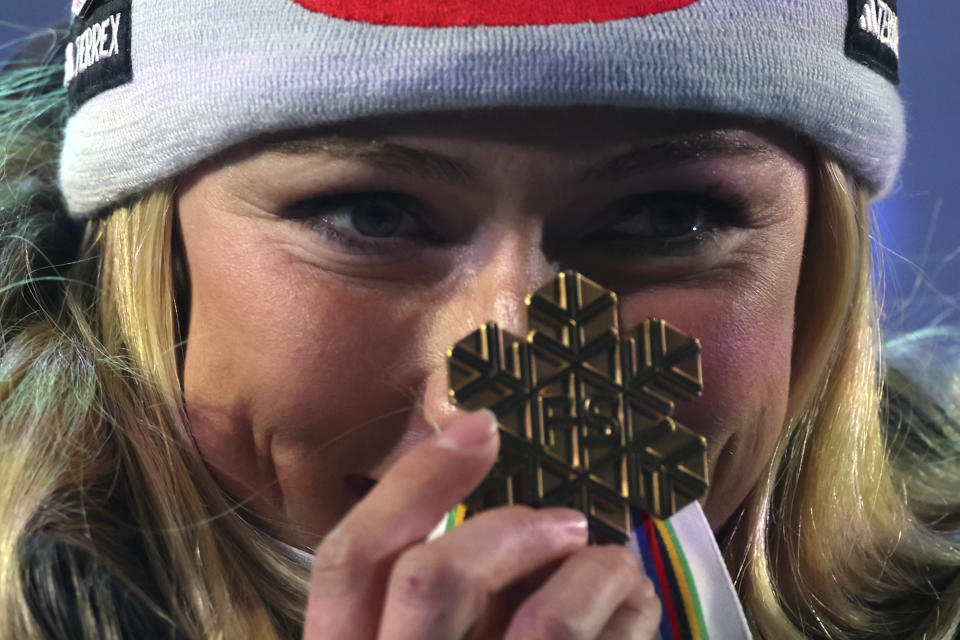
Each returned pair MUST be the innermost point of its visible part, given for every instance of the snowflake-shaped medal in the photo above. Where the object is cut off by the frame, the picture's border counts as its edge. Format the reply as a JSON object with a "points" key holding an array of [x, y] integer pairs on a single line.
{"points": [[585, 414]]}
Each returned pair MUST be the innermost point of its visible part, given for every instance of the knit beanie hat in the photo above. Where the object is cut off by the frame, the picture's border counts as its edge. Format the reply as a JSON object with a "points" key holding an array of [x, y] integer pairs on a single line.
{"points": [[157, 86]]}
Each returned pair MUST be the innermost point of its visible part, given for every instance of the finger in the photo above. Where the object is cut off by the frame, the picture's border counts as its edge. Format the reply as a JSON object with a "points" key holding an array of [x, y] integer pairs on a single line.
{"points": [[439, 589], [638, 618], [580, 598], [352, 563]]}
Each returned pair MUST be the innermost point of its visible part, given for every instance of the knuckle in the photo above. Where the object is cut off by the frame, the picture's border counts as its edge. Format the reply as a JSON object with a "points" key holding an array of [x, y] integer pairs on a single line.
{"points": [[338, 562], [612, 556], [420, 577], [542, 622], [618, 562], [337, 552], [646, 584]]}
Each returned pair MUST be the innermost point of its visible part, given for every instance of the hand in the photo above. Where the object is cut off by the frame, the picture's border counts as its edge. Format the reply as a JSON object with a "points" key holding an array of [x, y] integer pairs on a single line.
{"points": [[511, 572]]}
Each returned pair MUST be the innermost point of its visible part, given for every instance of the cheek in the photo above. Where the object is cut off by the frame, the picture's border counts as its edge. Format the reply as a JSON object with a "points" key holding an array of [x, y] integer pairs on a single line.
{"points": [[746, 340], [746, 374], [281, 363]]}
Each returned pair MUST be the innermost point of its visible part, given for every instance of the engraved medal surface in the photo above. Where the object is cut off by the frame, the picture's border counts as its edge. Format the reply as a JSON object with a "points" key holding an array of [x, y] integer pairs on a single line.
{"points": [[585, 413]]}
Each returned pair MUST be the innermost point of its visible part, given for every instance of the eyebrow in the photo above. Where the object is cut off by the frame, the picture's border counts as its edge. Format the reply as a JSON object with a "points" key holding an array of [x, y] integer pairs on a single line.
{"points": [[423, 163], [411, 160], [676, 150]]}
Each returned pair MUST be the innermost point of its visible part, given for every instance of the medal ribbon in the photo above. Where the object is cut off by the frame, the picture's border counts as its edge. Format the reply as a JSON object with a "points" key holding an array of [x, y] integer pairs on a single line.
{"points": [[681, 557]]}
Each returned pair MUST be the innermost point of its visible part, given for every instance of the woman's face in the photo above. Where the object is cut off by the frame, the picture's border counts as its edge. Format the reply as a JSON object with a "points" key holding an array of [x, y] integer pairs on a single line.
{"points": [[329, 274]]}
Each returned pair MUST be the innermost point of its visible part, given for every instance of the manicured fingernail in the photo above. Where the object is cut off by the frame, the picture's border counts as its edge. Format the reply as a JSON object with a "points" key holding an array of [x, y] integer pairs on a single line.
{"points": [[474, 430], [571, 523]]}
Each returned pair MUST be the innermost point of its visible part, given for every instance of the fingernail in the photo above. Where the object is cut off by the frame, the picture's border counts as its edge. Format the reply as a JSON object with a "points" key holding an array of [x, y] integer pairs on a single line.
{"points": [[474, 430], [571, 523]]}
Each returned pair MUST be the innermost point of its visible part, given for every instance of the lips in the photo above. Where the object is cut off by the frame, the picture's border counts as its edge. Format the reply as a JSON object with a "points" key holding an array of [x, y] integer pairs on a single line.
{"points": [[468, 13], [360, 485]]}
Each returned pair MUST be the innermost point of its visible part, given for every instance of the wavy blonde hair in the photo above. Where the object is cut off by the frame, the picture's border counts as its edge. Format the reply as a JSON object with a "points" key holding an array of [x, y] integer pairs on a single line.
{"points": [[852, 530], [105, 501], [110, 524]]}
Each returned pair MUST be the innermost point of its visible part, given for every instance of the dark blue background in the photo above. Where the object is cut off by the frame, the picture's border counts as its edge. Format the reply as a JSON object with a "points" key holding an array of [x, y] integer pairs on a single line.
{"points": [[919, 222]]}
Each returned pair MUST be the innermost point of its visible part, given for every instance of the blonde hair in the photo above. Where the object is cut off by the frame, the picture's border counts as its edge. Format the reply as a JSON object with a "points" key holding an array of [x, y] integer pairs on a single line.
{"points": [[111, 524], [838, 540], [104, 498]]}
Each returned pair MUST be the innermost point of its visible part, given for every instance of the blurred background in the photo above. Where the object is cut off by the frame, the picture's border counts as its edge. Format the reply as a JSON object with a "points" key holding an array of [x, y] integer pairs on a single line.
{"points": [[919, 222]]}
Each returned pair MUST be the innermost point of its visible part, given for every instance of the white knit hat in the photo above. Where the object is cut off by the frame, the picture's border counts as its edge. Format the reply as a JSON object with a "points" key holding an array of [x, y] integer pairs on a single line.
{"points": [[158, 85]]}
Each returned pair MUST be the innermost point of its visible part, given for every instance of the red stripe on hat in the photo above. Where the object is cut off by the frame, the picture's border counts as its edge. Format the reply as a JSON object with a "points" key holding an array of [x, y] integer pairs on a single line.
{"points": [[469, 13]]}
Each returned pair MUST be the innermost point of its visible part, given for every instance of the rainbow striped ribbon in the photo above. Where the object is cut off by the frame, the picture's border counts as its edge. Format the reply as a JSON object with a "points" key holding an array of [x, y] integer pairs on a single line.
{"points": [[682, 613], [682, 559]]}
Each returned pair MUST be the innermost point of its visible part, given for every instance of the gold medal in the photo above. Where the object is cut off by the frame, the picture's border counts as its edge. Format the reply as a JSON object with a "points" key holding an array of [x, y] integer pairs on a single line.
{"points": [[585, 413]]}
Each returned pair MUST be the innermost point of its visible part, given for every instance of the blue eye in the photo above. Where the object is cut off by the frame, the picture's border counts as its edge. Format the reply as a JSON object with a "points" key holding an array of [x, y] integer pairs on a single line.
{"points": [[373, 219], [364, 220]]}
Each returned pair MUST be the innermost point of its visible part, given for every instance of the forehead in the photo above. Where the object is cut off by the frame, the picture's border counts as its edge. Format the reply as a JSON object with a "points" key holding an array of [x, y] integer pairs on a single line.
{"points": [[666, 134]]}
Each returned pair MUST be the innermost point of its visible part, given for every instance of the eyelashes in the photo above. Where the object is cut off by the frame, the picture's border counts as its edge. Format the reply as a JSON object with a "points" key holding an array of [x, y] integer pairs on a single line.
{"points": [[668, 222], [369, 221]]}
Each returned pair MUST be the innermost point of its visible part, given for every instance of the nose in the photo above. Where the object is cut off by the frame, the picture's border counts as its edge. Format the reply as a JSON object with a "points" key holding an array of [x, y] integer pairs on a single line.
{"points": [[510, 266]]}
